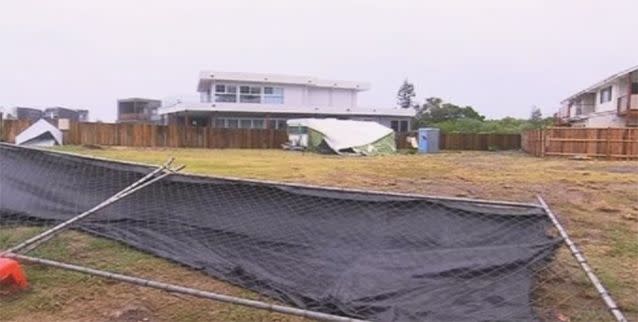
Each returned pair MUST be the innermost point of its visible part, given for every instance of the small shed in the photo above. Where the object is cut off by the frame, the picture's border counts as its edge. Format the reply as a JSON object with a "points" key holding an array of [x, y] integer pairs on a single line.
{"points": [[40, 133], [341, 136]]}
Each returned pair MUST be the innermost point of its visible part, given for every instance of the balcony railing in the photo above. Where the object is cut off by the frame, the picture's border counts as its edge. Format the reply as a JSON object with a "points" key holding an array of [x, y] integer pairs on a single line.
{"points": [[132, 117], [626, 103], [583, 108]]}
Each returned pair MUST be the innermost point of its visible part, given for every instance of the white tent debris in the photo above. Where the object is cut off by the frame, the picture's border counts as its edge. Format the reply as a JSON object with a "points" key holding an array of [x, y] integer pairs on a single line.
{"points": [[341, 136], [40, 133]]}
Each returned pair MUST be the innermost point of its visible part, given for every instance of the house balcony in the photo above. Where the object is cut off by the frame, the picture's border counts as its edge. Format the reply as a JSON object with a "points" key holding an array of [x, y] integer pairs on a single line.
{"points": [[560, 120], [628, 104], [577, 118], [628, 107]]}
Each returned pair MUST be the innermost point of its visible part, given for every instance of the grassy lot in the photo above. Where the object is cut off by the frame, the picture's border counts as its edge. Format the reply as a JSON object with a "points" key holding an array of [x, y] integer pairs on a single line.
{"points": [[596, 200]]}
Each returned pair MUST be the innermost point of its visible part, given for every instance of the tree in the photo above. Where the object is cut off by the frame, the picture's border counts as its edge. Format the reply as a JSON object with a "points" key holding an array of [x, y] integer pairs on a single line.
{"points": [[536, 118], [405, 95], [435, 110], [536, 115]]}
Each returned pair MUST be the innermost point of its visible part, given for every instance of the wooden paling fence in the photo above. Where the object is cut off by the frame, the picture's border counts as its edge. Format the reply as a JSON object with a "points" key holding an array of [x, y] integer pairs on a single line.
{"points": [[469, 141], [150, 135], [9, 129], [610, 143], [178, 136], [479, 141]]}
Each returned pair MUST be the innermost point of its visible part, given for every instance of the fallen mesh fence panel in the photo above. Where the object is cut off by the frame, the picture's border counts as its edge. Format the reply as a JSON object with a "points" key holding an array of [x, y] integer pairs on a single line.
{"points": [[368, 256]]}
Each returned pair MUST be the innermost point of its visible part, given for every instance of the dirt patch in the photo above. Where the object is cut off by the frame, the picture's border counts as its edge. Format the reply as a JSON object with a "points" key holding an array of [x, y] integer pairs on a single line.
{"points": [[623, 169], [131, 313]]}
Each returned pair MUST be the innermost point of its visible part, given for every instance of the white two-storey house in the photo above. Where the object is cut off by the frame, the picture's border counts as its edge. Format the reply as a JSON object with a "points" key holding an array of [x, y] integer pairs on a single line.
{"points": [[248, 100]]}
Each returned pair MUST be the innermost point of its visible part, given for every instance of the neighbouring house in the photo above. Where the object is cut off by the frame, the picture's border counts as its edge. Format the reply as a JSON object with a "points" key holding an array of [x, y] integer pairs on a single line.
{"points": [[248, 100], [27, 113], [51, 113], [137, 109], [54, 113], [612, 102]]}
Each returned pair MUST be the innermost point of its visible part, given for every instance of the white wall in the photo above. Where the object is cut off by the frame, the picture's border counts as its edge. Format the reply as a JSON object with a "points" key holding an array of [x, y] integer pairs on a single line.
{"points": [[294, 95], [342, 97], [331, 97], [607, 119], [319, 97]]}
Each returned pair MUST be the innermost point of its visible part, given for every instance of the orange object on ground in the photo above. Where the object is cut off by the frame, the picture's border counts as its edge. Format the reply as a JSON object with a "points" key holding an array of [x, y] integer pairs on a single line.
{"points": [[11, 273]]}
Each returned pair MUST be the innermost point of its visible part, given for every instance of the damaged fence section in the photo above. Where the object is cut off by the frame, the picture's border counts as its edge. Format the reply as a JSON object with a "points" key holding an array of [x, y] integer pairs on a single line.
{"points": [[337, 254]]}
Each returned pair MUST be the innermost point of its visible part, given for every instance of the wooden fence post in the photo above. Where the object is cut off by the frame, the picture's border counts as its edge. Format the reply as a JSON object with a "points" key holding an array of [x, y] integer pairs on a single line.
{"points": [[543, 139], [608, 137]]}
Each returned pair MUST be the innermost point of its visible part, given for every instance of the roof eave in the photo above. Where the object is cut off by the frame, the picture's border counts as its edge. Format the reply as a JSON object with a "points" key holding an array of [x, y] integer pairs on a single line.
{"points": [[206, 77], [594, 88]]}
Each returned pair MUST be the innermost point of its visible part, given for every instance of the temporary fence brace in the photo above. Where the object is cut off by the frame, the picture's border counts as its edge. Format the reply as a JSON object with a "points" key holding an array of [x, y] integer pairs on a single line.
{"points": [[34, 241], [186, 290], [582, 261]]}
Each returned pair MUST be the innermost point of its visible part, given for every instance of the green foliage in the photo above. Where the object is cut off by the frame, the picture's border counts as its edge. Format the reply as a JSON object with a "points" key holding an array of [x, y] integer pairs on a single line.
{"points": [[435, 111], [453, 118], [405, 95], [508, 125]]}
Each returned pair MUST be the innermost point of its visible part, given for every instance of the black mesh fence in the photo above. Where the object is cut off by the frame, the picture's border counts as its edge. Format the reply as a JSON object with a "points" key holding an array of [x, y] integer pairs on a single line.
{"points": [[371, 256]]}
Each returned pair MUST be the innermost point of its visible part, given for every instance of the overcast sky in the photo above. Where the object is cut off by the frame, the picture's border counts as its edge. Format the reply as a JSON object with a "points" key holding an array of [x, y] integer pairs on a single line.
{"points": [[500, 56]]}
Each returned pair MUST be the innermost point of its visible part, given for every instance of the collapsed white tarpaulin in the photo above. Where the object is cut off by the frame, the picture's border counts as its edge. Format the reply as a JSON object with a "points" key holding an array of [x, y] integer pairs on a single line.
{"points": [[40, 133], [344, 134]]}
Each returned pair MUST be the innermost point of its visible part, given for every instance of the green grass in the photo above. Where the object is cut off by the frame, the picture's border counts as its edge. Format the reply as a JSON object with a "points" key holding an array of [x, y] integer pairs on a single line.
{"points": [[61, 295], [596, 200]]}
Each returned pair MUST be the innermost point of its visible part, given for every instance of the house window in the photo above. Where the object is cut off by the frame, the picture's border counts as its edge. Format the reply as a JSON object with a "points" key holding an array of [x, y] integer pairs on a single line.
{"points": [[250, 94], [281, 124], [220, 123], [634, 88], [241, 123], [247, 94], [273, 95], [277, 124], [394, 124], [605, 95], [225, 93], [403, 126]]}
